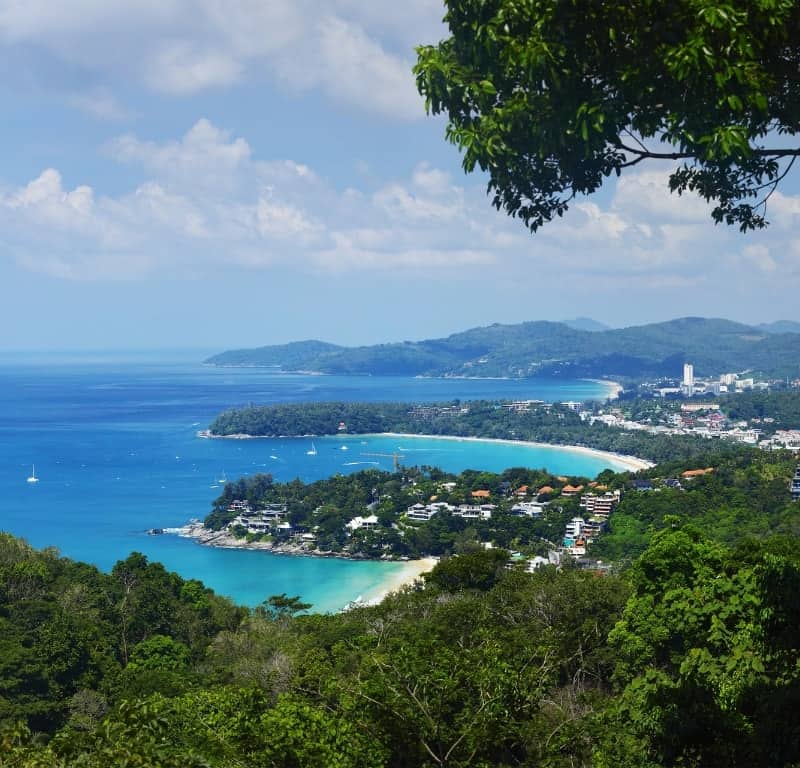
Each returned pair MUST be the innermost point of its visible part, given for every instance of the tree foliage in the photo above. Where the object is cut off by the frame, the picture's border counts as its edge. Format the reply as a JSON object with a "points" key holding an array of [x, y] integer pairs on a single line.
{"points": [[551, 97], [688, 659], [708, 651], [554, 424]]}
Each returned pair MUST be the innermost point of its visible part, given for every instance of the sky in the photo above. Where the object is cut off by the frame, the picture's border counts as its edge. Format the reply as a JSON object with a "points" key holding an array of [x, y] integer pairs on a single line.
{"points": [[232, 173]]}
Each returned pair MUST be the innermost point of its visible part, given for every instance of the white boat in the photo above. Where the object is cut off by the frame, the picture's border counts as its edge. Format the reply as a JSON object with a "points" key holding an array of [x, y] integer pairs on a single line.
{"points": [[313, 451], [33, 478], [222, 480], [343, 448]]}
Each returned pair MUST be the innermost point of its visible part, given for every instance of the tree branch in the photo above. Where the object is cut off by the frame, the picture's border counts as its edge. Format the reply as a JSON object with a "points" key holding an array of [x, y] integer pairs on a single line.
{"points": [[649, 154]]}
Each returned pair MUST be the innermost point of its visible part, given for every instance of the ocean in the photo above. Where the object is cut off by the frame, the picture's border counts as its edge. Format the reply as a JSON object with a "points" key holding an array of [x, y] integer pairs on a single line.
{"points": [[116, 453]]}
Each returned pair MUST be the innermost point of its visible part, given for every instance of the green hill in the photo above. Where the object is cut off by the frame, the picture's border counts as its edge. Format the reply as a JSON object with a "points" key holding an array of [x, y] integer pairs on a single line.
{"points": [[545, 348]]}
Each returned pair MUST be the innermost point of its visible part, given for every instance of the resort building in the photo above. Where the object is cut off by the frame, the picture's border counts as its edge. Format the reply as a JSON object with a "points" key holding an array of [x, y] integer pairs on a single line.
{"points": [[600, 505], [529, 508], [422, 513], [574, 528], [363, 522]]}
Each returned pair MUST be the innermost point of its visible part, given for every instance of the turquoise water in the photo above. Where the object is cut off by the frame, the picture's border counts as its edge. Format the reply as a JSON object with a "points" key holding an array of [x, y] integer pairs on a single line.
{"points": [[116, 452]]}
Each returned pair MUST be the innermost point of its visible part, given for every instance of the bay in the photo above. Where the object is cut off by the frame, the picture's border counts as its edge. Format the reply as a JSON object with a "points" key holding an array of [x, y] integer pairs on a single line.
{"points": [[115, 447]]}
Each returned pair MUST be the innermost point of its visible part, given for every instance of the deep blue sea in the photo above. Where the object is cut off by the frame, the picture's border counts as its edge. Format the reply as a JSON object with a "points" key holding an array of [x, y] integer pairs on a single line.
{"points": [[116, 451]]}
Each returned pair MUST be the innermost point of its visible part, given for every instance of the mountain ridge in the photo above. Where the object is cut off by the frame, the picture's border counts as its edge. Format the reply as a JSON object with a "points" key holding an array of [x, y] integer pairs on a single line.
{"points": [[548, 348]]}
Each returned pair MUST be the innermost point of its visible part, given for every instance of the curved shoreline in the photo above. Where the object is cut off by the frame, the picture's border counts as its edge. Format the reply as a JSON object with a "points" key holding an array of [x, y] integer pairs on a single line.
{"points": [[409, 573], [631, 463], [615, 388]]}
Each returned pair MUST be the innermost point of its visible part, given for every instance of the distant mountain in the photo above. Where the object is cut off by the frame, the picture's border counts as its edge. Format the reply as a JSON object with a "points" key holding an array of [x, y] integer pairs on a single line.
{"points": [[780, 326], [586, 324], [289, 357], [549, 349]]}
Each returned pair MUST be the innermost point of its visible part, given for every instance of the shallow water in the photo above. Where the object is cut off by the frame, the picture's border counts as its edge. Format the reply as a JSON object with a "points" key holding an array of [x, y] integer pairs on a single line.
{"points": [[116, 452]]}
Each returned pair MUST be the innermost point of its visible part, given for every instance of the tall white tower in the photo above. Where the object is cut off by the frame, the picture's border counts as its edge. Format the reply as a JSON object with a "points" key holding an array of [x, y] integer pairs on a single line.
{"points": [[688, 380]]}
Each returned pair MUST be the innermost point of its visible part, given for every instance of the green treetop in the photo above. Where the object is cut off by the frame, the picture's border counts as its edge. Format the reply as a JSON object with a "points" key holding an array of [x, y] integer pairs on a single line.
{"points": [[550, 97]]}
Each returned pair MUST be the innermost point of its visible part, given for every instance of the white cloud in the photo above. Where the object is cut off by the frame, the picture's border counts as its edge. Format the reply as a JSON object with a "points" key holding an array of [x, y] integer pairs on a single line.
{"points": [[783, 210], [203, 155], [208, 203], [408, 24], [760, 256], [401, 203], [597, 222], [357, 53], [356, 70], [47, 195], [100, 103], [182, 67], [346, 258], [647, 194], [432, 180], [283, 221]]}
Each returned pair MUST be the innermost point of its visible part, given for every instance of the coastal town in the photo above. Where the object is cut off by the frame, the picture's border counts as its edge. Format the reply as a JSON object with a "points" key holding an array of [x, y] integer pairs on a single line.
{"points": [[582, 509], [692, 407], [546, 519], [268, 526]]}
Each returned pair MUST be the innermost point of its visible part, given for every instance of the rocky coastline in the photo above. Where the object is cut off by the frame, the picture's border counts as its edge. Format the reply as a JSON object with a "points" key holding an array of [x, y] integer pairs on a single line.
{"points": [[207, 537]]}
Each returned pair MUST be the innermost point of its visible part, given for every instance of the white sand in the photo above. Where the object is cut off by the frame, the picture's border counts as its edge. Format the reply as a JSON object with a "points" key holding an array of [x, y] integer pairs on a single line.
{"points": [[411, 571], [632, 463], [614, 387]]}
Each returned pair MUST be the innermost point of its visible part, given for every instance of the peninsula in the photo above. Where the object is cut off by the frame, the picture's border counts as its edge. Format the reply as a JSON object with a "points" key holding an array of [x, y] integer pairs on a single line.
{"points": [[422, 512], [563, 424]]}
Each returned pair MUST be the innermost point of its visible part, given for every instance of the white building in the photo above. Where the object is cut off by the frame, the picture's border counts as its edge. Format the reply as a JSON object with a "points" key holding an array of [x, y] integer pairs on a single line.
{"points": [[687, 387], [421, 512], [529, 508], [371, 521], [574, 528]]}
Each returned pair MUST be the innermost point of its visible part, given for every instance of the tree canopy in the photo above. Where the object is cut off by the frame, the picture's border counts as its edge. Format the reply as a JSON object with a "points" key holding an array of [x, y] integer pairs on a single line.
{"points": [[551, 97]]}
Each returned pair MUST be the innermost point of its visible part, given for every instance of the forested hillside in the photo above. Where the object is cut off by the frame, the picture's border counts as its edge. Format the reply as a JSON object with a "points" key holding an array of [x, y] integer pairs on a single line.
{"points": [[744, 495], [557, 424], [688, 659], [550, 349]]}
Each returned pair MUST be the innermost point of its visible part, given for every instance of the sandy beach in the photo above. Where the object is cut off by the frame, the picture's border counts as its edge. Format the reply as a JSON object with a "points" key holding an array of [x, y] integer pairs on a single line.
{"points": [[631, 463], [411, 571], [614, 387], [408, 572]]}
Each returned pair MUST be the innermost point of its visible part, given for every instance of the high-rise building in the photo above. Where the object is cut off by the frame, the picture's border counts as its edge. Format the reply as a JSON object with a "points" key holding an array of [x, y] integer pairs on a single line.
{"points": [[687, 388]]}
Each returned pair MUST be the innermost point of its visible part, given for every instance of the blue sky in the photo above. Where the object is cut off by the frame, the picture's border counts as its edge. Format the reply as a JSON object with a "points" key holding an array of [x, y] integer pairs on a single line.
{"points": [[219, 173]]}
